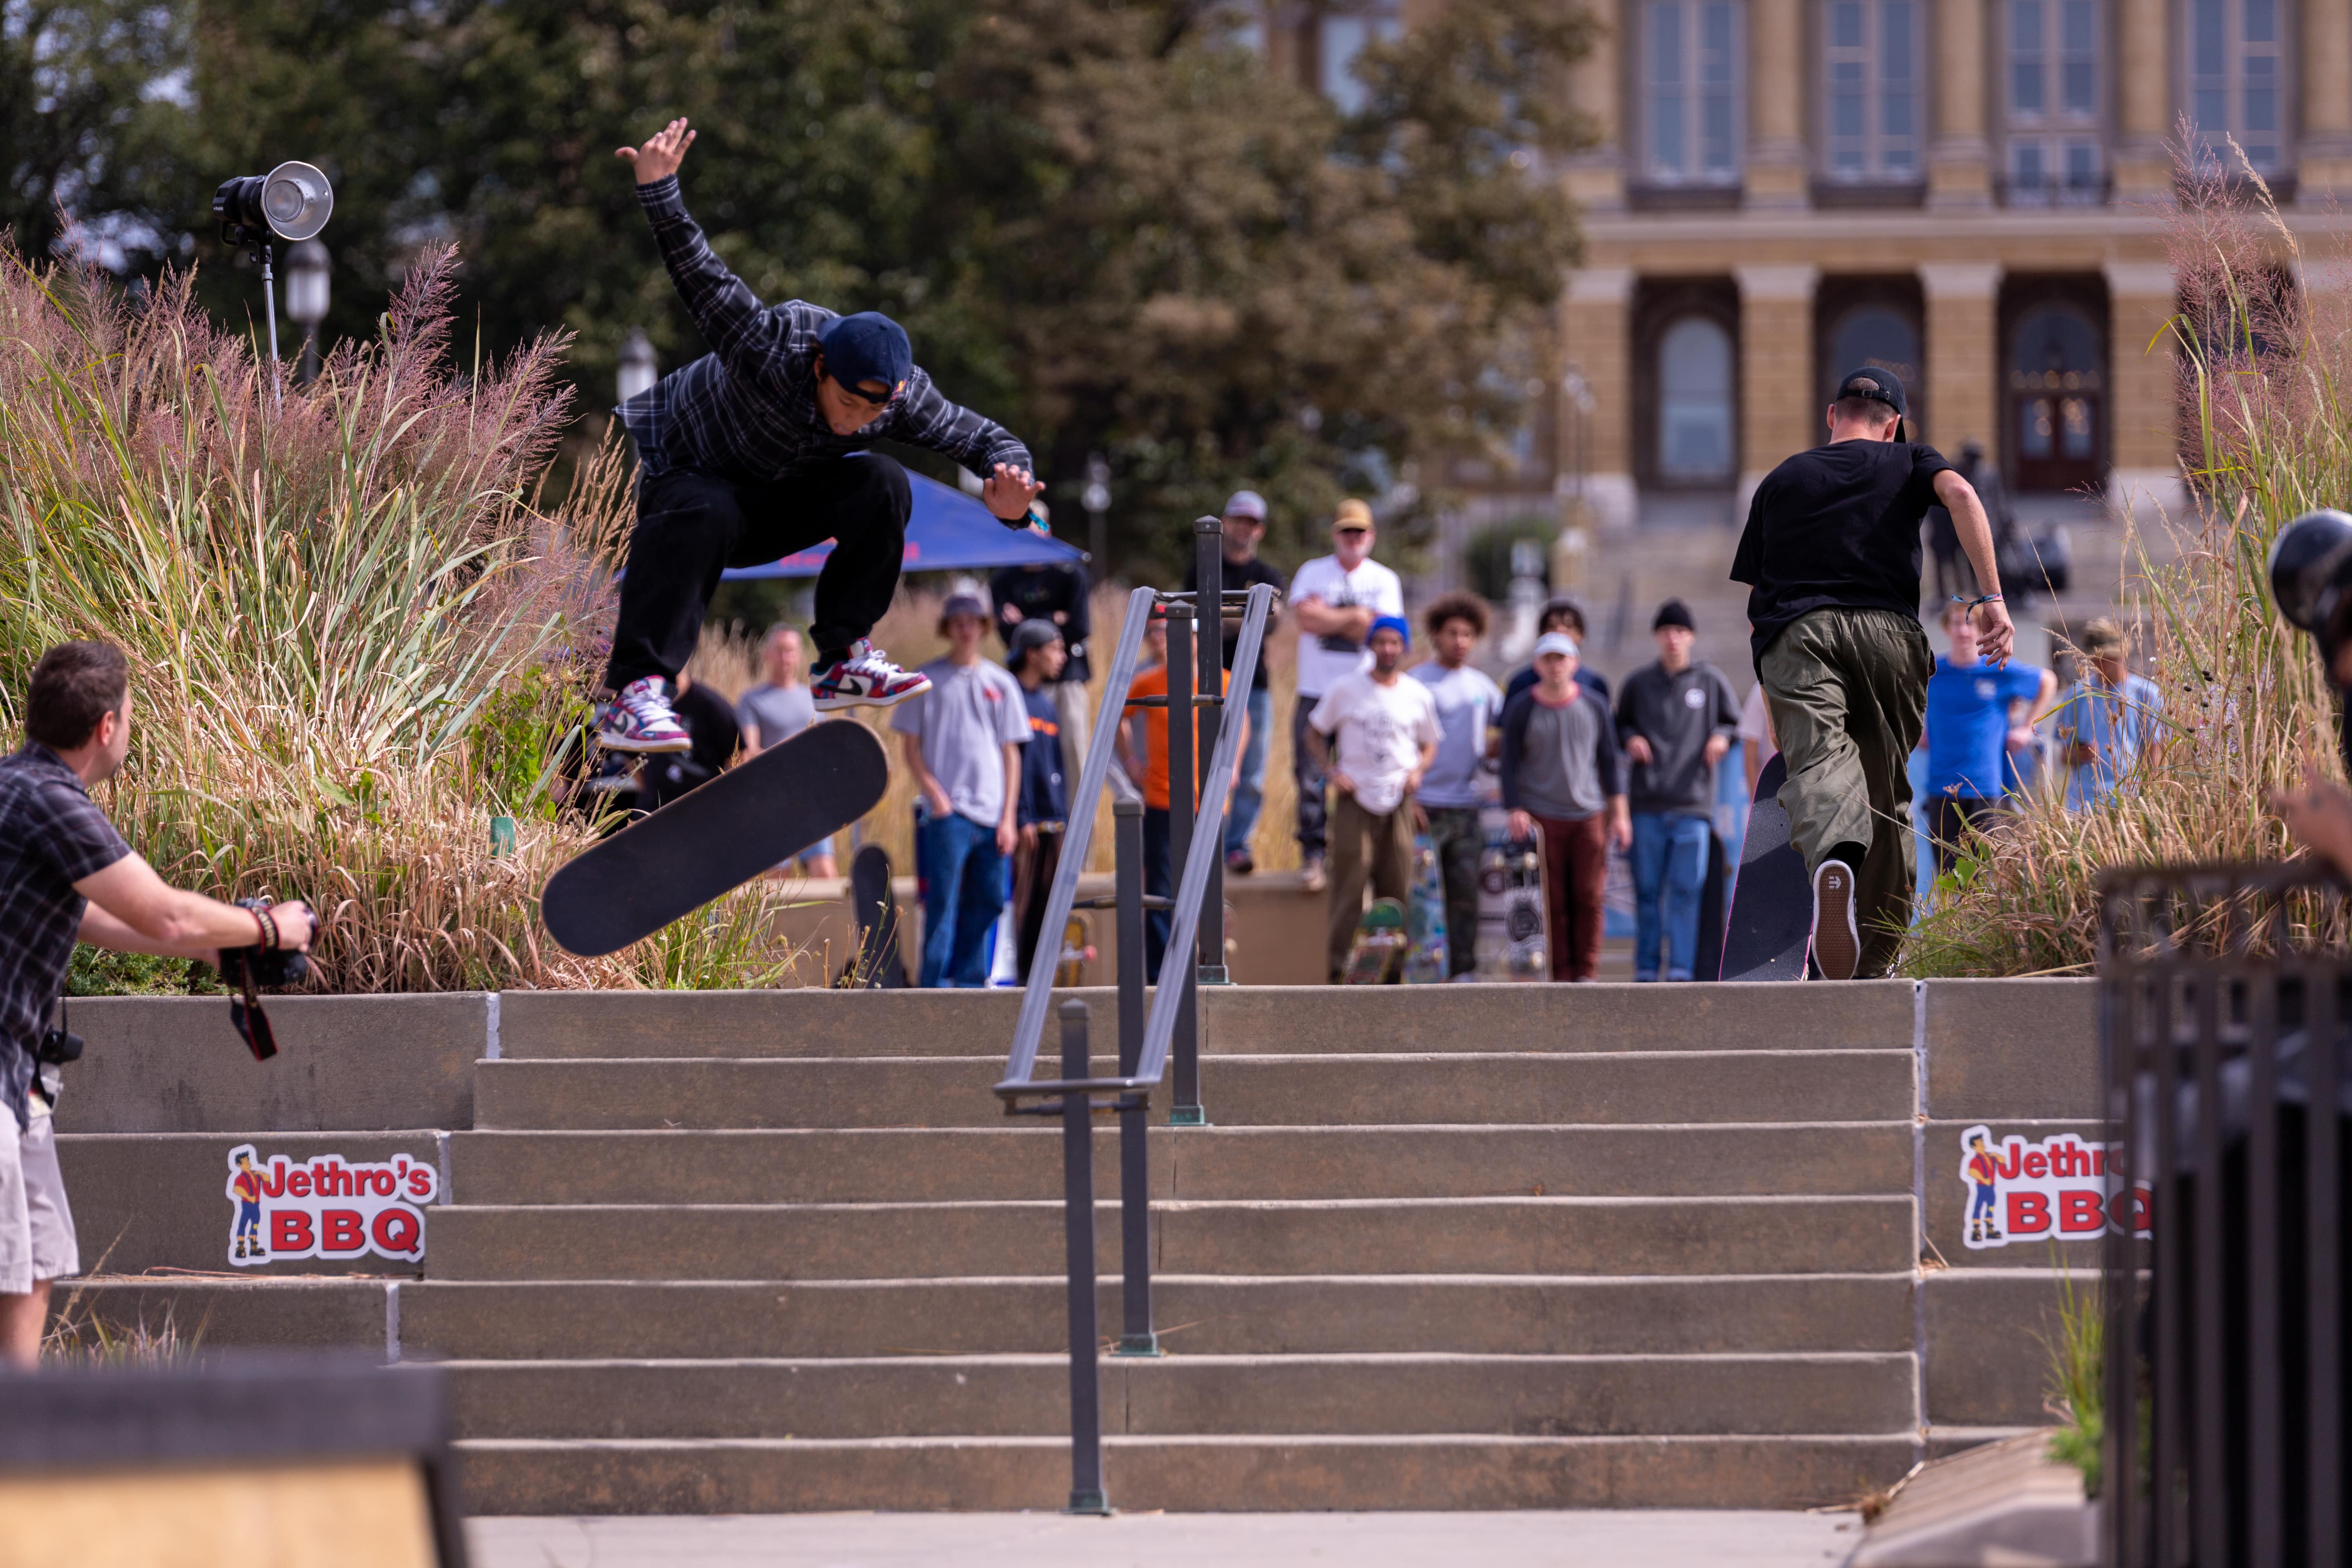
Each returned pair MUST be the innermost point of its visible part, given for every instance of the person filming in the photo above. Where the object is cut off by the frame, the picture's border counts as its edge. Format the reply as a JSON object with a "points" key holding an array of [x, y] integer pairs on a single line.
{"points": [[66, 876]]}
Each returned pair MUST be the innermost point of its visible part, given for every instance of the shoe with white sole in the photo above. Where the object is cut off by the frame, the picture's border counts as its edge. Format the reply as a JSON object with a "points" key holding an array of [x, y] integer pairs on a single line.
{"points": [[864, 679], [640, 719], [1837, 942]]}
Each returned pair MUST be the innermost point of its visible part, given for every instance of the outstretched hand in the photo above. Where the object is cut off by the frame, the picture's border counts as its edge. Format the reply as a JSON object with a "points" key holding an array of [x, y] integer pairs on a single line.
{"points": [[1008, 492], [664, 151]]}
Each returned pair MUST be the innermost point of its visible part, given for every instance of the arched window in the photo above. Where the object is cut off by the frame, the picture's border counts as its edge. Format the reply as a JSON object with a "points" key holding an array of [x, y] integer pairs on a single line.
{"points": [[2056, 397], [1695, 403]]}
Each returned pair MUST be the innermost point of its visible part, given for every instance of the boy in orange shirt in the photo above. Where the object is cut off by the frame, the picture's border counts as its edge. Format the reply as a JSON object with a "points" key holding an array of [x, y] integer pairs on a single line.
{"points": [[1145, 757]]}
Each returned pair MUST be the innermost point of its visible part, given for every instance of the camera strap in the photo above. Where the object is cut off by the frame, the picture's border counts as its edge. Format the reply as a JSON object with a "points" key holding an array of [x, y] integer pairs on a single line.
{"points": [[251, 1021]]}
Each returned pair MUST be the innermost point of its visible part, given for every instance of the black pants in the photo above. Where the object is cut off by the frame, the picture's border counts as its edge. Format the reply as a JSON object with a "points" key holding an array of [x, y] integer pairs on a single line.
{"points": [[1950, 820], [690, 527], [1313, 815], [1157, 882]]}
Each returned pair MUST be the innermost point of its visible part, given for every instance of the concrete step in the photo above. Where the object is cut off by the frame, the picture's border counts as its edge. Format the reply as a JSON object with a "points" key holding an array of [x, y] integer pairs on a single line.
{"points": [[947, 1240], [655, 1476], [906, 1165], [1266, 1090], [1187, 1395], [1236, 1020], [1195, 1315]]}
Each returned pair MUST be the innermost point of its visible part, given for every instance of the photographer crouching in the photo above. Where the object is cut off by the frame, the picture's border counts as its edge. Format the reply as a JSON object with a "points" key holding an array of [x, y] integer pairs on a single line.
{"points": [[67, 875]]}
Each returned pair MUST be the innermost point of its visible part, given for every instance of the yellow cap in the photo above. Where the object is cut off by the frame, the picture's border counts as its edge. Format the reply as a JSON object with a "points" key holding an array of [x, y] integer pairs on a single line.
{"points": [[1352, 513]]}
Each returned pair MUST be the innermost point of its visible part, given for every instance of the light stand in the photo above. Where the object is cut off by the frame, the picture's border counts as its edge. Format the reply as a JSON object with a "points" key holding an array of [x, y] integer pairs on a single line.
{"points": [[292, 202]]}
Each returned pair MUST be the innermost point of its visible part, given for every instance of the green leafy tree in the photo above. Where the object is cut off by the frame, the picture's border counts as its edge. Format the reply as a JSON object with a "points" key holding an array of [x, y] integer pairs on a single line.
{"points": [[1105, 222]]}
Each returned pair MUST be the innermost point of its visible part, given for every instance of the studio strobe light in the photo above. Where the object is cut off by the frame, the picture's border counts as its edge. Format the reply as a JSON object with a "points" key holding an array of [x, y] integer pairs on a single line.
{"points": [[292, 202]]}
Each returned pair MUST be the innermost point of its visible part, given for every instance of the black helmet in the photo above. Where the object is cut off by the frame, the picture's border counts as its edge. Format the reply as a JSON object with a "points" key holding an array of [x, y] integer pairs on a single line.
{"points": [[2310, 568]]}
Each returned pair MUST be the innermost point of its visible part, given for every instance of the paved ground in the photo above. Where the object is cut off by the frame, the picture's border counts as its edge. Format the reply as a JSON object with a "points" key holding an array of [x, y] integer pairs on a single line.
{"points": [[1626, 1539]]}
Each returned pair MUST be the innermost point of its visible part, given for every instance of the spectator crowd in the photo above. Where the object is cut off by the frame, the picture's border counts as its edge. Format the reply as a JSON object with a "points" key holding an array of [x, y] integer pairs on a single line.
{"points": [[1399, 756]]}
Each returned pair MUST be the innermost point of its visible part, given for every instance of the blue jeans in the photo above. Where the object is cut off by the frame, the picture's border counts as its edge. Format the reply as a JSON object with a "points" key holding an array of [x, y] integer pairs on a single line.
{"points": [[1669, 870], [964, 890], [1249, 792]]}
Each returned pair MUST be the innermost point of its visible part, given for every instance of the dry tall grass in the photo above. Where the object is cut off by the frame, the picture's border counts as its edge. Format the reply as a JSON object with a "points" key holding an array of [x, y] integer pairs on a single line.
{"points": [[357, 633], [2263, 346]]}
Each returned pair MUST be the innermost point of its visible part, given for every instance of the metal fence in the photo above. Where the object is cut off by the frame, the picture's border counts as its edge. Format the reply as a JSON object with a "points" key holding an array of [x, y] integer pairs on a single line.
{"points": [[2224, 992]]}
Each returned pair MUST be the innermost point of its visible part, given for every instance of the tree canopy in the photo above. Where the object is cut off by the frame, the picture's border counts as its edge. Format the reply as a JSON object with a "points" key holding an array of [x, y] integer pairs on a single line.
{"points": [[1106, 223]]}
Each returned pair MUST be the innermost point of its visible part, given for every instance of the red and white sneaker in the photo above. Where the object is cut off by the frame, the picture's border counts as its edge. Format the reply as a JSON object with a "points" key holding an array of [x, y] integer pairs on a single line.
{"points": [[864, 678], [640, 720]]}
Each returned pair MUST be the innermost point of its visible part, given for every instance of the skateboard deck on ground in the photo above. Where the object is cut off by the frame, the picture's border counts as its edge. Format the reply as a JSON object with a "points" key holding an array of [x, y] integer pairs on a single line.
{"points": [[1427, 958], [880, 964], [715, 839], [1380, 944], [1771, 922]]}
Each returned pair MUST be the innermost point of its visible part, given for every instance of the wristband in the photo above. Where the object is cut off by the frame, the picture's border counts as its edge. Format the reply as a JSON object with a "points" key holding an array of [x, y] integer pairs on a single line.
{"points": [[260, 930], [271, 922]]}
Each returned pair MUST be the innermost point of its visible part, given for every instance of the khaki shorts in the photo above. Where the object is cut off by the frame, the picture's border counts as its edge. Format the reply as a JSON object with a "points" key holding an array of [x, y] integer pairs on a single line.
{"points": [[37, 1228]]}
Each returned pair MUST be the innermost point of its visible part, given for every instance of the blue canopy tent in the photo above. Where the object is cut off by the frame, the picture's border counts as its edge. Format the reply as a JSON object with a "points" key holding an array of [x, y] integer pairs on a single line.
{"points": [[948, 531]]}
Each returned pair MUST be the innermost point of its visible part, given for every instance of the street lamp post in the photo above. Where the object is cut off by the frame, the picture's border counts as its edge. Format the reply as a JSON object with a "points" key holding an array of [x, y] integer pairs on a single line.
{"points": [[1096, 498], [638, 368], [306, 302]]}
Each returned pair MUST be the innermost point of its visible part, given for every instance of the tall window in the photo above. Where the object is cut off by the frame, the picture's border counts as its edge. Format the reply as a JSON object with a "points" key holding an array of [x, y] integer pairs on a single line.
{"points": [[1695, 395], [1340, 38], [1873, 101], [1690, 51], [2237, 79], [2053, 101]]}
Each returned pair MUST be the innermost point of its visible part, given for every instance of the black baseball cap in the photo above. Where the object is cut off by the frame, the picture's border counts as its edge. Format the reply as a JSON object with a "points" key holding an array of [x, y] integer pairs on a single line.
{"points": [[1883, 385], [867, 346]]}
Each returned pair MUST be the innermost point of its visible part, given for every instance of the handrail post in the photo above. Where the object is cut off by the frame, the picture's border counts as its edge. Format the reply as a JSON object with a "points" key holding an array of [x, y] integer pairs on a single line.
{"points": [[1183, 791], [1086, 1494], [1127, 877]]}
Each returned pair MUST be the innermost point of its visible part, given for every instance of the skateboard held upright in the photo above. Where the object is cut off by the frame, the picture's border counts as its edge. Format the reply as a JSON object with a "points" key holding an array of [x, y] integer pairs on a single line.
{"points": [[1380, 944], [1770, 929], [880, 965], [714, 840]]}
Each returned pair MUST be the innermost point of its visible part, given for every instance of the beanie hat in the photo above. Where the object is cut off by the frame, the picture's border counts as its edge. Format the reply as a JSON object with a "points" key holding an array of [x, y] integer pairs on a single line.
{"points": [[1396, 623], [1673, 613]]}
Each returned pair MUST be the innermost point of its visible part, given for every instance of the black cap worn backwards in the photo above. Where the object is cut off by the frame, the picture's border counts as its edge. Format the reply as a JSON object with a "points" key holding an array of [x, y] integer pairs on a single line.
{"points": [[1883, 385]]}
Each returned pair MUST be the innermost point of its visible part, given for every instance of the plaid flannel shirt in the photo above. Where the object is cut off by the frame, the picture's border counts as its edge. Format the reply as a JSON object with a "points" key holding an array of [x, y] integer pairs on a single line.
{"points": [[747, 411], [52, 835]]}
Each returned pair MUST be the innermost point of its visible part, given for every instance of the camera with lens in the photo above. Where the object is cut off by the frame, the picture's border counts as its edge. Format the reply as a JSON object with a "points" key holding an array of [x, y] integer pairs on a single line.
{"points": [[263, 966], [57, 1048]]}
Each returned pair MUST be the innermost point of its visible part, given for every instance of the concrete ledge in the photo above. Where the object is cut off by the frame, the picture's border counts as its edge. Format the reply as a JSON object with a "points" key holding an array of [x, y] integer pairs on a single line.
{"points": [[1179, 1474], [2014, 1048], [172, 1064], [144, 1200], [235, 1314], [562, 1025], [1989, 1333], [2004, 1503]]}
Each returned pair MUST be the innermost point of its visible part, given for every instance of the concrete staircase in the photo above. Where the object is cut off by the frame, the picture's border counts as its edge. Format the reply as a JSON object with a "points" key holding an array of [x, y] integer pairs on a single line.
{"points": [[1445, 1248]]}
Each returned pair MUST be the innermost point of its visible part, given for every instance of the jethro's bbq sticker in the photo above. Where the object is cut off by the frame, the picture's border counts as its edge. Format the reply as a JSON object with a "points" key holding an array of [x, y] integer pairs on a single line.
{"points": [[326, 1207], [2059, 1189]]}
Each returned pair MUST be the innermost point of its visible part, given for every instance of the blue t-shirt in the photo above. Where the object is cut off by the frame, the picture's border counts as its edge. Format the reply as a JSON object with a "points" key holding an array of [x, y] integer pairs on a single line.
{"points": [[1468, 705], [2118, 722], [1967, 725]]}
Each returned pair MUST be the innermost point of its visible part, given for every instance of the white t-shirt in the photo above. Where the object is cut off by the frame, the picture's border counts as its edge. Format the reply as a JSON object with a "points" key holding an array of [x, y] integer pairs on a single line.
{"points": [[1468, 704], [1379, 731], [967, 718], [1322, 660], [1754, 727]]}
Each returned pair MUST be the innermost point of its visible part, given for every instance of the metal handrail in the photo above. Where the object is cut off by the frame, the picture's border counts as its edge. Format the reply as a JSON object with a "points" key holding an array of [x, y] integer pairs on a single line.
{"points": [[1208, 836]]}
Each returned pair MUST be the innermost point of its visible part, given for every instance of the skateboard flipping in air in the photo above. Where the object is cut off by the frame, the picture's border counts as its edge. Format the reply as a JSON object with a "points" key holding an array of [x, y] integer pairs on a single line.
{"points": [[715, 839]]}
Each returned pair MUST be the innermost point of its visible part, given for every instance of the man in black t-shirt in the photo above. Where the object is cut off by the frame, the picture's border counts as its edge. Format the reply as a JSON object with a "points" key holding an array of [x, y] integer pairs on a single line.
{"points": [[67, 875], [1832, 559], [1057, 593], [1245, 521]]}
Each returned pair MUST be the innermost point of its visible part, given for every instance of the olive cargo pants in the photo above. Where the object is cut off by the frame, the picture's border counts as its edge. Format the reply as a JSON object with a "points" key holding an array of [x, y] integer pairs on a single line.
{"points": [[1848, 690]]}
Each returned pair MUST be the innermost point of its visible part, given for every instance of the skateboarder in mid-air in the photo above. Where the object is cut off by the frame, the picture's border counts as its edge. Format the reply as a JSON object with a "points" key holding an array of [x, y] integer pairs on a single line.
{"points": [[1832, 558], [762, 447]]}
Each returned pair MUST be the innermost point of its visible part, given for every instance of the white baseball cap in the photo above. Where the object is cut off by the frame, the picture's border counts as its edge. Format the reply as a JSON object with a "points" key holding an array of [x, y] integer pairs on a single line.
{"points": [[1555, 642]]}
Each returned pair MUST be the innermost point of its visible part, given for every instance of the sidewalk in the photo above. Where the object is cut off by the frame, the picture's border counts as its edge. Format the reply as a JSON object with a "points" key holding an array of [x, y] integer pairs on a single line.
{"points": [[1614, 1539]]}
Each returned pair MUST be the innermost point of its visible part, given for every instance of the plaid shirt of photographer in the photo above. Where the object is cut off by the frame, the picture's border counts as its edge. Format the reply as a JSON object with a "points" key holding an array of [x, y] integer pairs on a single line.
{"points": [[747, 412], [52, 835]]}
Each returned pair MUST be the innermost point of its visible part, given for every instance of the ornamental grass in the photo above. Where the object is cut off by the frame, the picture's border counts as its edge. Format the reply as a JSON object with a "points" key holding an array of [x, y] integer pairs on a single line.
{"points": [[2263, 346], [358, 627]]}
